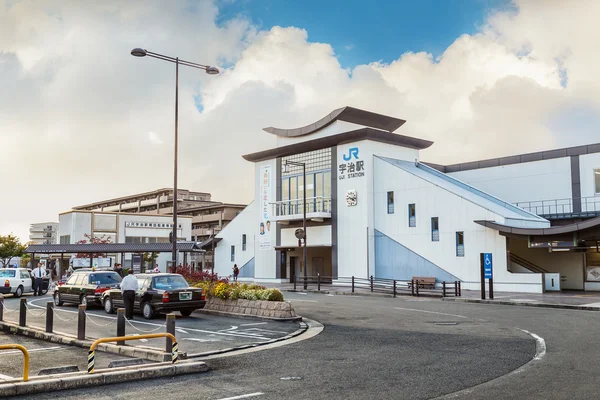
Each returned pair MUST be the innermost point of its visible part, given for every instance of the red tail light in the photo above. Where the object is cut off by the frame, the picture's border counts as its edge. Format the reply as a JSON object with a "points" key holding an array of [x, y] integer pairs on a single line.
{"points": [[100, 290], [7, 283], [203, 295], [165, 297]]}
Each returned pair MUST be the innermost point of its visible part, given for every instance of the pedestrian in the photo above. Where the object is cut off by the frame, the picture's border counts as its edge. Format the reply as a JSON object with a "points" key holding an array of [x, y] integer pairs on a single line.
{"points": [[129, 285], [38, 282], [236, 272], [119, 270]]}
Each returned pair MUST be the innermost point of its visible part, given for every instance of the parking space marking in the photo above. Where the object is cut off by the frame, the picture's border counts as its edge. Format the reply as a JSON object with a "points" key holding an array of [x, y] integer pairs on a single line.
{"points": [[6, 377], [180, 330], [256, 323], [244, 396], [30, 351], [430, 312]]}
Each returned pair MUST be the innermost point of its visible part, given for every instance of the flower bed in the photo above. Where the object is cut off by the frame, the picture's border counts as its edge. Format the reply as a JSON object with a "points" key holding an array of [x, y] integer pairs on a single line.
{"points": [[225, 290]]}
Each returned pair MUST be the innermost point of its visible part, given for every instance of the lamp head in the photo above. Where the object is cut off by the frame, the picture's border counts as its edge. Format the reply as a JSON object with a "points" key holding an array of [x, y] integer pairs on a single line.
{"points": [[212, 70], [138, 52]]}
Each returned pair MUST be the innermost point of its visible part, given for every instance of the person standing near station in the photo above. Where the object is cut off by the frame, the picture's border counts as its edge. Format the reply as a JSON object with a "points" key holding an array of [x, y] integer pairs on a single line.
{"points": [[236, 272], [119, 270], [38, 282], [129, 285]]}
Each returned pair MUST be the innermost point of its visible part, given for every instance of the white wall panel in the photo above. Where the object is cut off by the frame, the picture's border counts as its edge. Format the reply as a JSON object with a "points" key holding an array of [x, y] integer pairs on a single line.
{"points": [[531, 181], [244, 223]]}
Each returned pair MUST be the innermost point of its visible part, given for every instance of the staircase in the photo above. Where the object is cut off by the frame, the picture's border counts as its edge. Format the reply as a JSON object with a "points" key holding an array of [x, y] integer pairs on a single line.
{"points": [[526, 264]]}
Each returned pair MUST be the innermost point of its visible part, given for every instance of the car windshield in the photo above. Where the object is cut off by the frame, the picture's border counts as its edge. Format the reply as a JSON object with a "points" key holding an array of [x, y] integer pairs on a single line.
{"points": [[169, 282], [7, 273], [109, 278]]}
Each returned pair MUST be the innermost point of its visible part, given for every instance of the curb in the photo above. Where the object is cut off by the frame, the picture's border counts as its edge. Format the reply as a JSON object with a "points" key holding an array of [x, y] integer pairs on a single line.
{"points": [[523, 303], [303, 328], [50, 383], [367, 294], [127, 351], [248, 316]]}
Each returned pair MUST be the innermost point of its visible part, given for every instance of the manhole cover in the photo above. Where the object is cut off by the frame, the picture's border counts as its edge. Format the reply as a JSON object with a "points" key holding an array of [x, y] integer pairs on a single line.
{"points": [[291, 378], [445, 323]]}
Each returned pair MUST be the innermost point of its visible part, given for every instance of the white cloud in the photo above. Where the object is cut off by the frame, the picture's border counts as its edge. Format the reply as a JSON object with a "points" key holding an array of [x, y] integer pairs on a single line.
{"points": [[84, 120]]}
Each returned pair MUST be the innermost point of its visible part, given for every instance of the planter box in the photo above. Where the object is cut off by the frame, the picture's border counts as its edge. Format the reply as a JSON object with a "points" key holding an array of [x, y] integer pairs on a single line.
{"points": [[260, 308]]}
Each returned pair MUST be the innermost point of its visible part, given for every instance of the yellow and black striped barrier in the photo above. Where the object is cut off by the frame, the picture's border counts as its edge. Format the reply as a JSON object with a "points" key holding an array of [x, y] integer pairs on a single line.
{"points": [[25, 357], [92, 352]]}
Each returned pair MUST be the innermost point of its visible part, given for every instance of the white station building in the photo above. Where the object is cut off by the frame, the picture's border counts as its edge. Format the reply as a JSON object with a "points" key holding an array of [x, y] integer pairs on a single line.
{"points": [[375, 209]]}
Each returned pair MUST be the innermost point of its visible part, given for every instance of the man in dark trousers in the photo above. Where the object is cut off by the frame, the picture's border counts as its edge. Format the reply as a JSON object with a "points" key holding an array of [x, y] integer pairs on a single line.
{"points": [[38, 282], [129, 285]]}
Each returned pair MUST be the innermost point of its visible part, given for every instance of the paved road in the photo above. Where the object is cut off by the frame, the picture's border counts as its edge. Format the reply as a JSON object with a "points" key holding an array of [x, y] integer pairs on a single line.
{"points": [[45, 355], [402, 348], [196, 334]]}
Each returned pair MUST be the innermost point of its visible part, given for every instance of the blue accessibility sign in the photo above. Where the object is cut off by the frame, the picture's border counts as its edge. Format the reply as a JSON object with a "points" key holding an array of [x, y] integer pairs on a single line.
{"points": [[487, 265]]}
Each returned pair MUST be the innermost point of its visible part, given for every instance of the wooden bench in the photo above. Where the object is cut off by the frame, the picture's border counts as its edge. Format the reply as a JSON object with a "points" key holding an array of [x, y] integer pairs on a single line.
{"points": [[423, 282]]}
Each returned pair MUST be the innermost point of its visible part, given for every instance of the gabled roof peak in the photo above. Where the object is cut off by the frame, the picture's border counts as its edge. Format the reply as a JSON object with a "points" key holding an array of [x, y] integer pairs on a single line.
{"points": [[347, 114]]}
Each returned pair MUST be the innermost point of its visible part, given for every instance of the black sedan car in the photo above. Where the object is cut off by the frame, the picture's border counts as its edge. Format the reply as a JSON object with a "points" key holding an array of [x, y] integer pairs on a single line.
{"points": [[85, 286], [159, 293]]}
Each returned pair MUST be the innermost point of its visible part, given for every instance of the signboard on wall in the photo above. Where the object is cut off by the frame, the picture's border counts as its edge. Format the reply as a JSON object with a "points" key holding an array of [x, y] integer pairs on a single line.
{"points": [[103, 262], [136, 263], [264, 223], [352, 167]]}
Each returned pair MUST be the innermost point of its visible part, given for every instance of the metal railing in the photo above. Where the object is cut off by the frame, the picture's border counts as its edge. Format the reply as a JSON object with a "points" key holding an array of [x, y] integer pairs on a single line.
{"points": [[25, 357], [392, 287], [563, 208], [318, 204]]}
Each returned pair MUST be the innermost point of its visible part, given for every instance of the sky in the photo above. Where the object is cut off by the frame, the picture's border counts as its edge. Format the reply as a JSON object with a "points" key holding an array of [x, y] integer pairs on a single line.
{"points": [[81, 120]]}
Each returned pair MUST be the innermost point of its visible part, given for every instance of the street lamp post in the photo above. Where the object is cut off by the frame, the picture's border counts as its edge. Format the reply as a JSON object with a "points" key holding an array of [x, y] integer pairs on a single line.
{"points": [[138, 52], [304, 250]]}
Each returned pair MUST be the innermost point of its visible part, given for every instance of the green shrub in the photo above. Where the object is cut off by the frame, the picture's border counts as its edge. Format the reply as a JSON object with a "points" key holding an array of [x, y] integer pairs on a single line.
{"points": [[234, 291]]}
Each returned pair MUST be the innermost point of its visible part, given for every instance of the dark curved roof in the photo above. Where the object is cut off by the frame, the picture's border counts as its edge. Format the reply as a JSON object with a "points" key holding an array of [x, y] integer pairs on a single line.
{"points": [[553, 230], [334, 140], [348, 114]]}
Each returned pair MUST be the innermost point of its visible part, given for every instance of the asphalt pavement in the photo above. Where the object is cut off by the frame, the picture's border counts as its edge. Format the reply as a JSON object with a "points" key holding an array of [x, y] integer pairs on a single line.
{"points": [[403, 348], [198, 333]]}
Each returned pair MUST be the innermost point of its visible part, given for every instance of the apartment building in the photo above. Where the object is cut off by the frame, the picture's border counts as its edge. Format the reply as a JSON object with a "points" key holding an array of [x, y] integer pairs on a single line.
{"points": [[43, 233]]}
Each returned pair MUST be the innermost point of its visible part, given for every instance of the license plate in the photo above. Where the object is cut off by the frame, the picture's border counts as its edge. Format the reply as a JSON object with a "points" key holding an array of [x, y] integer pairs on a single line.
{"points": [[185, 296]]}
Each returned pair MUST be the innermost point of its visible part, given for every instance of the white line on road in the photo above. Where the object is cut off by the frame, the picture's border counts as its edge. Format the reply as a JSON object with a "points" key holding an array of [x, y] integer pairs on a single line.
{"points": [[430, 312], [233, 328], [32, 350], [157, 325], [180, 330], [256, 323], [137, 334], [244, 396], [309, 301], [541, 345], [6, 376]]}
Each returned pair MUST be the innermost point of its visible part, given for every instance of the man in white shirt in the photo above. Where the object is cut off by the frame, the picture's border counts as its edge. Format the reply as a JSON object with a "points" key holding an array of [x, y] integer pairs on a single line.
{"points": [[129, 285], [38, 282]]}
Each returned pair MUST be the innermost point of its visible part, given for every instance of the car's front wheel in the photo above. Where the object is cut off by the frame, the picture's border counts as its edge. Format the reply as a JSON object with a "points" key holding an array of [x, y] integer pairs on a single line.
{"points": [[57, 300], [186, 313], [108, 306], [19, 291], [147, 310]]}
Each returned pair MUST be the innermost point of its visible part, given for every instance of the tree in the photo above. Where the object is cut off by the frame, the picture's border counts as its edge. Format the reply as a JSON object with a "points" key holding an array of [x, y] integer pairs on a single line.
{"points": [[10, 247], [92, 240]]}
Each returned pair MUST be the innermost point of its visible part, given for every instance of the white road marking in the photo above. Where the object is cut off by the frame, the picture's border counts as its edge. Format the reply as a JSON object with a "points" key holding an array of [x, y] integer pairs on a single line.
{"points": [[6, 376], [137, 334], [541, 345], [303, 294], [592, 305], [430, 312], [330, 295], [309, 301], [256, 323], [30, 351], [203, 340], [261, 330], [233, 328], [157, 325], [180, 330], [244, 396]]}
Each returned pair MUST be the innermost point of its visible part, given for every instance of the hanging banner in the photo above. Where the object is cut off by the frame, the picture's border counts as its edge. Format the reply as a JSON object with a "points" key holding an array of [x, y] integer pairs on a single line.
{"points": [[264, 223]]}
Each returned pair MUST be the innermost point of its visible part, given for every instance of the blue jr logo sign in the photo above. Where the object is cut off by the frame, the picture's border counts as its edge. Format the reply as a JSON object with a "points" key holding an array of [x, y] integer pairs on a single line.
{"points": [[353, 151], [351, 169]]}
